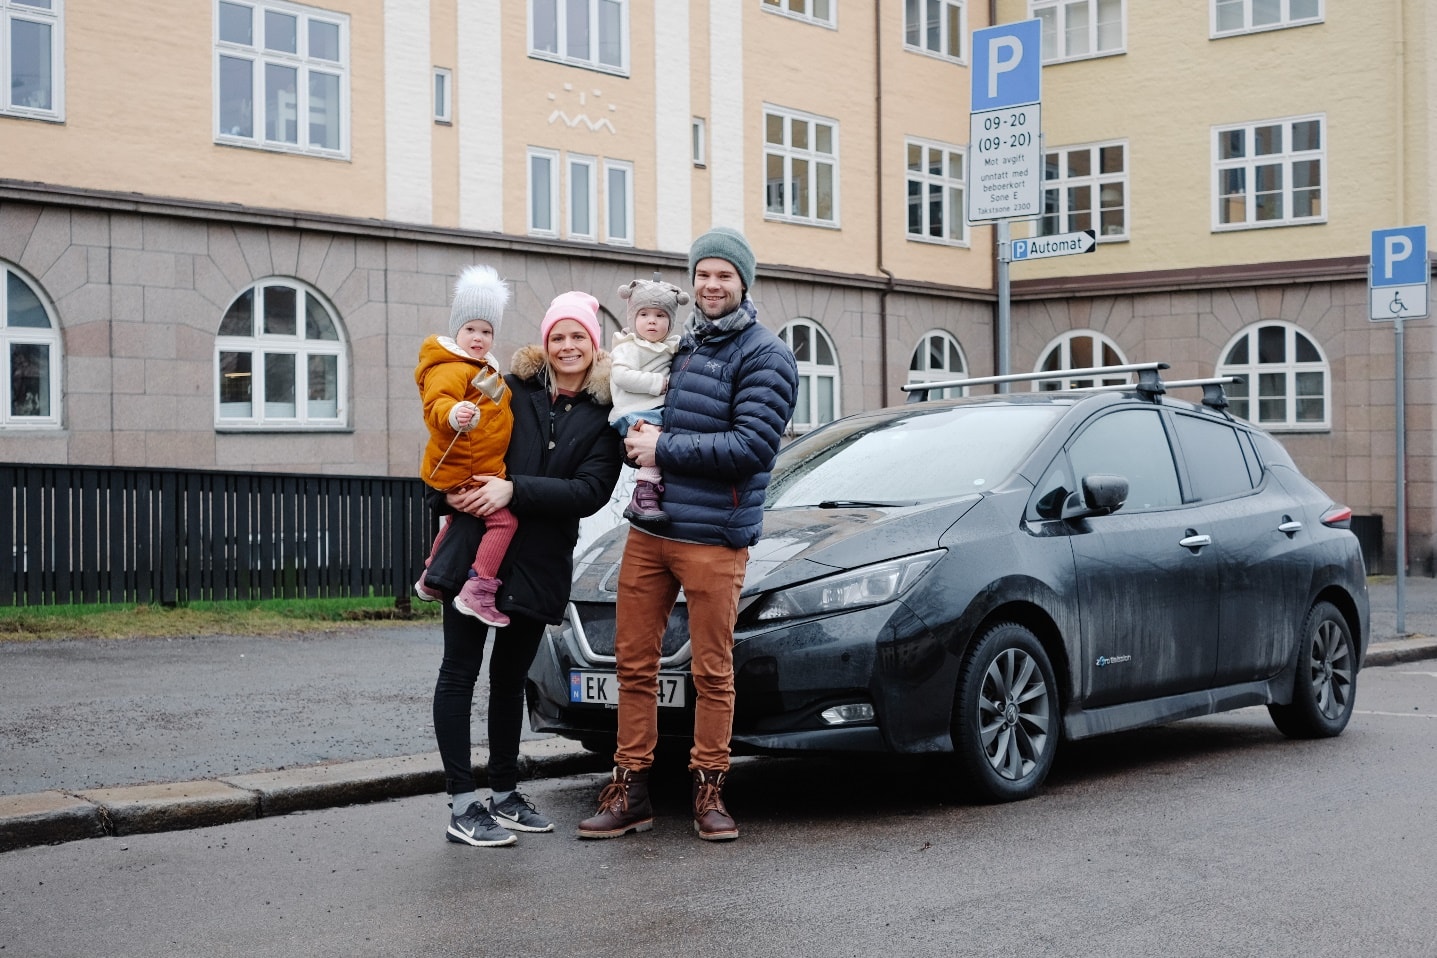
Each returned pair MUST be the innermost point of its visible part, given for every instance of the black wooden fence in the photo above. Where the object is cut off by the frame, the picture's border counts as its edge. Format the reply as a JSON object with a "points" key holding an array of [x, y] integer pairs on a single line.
{"points": [[81, 534]]}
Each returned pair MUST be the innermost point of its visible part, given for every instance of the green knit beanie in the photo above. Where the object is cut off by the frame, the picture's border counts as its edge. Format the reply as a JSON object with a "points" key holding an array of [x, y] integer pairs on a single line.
{"points": [[724, 243]]}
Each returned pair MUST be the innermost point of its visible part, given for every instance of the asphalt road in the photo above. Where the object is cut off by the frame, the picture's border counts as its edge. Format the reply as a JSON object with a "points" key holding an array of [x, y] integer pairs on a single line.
{"points": [[1214, 836]]}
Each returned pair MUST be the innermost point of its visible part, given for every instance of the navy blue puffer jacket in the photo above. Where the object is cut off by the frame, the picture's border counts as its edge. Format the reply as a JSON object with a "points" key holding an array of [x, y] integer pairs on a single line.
{"points": [[730, 397]]}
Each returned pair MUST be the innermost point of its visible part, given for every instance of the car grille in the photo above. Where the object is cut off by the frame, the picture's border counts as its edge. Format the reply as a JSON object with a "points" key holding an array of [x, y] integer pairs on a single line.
{"points": [[597, 620]]}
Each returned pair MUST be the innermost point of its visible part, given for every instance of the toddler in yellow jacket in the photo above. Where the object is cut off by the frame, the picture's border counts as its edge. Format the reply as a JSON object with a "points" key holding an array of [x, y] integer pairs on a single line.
{"points": [[466, 408]]}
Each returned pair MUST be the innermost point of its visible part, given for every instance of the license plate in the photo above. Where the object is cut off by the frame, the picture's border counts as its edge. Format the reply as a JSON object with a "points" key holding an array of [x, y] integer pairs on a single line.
{"points": [[602, 688]]}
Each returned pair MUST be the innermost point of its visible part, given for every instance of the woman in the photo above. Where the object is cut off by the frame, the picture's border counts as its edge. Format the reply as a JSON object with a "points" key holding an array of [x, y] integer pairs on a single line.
{"points": [[563, 462]]}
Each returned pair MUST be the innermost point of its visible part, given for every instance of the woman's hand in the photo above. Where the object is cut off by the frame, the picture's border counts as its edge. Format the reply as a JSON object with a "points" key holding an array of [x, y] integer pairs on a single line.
{"points": [[488, 494]]}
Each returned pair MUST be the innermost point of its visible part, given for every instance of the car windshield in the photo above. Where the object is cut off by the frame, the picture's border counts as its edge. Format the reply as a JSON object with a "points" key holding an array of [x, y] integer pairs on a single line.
{"points": [[909, 458]]}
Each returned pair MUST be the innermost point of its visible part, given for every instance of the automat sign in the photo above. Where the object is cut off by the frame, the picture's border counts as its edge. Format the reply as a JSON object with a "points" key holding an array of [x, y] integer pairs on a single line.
{"points": [[1005, 152]]}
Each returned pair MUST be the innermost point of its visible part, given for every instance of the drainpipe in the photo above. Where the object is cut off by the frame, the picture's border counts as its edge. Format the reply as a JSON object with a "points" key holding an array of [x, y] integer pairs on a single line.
{"points": [[878, 203]]}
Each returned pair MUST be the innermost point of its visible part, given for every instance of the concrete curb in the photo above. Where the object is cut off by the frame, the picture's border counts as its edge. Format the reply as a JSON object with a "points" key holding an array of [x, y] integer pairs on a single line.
{"points": [[48, 818]]}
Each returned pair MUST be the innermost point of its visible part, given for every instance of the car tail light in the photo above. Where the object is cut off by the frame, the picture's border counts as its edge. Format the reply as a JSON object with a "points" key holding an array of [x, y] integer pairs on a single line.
{"points": [[1338, 517]]}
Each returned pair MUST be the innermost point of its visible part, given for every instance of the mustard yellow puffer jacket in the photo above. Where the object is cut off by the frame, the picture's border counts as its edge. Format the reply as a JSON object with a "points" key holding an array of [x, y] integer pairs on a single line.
{"points": [[446, 376]]}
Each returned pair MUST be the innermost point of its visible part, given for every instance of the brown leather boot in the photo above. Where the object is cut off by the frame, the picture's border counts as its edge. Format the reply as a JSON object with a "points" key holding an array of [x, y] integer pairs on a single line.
{"points": [[711, 819], [623, 807]]}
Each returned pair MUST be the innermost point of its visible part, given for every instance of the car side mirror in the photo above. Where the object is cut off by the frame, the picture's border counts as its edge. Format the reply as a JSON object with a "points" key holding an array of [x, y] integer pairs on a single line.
{"points": [[1102, 496]]}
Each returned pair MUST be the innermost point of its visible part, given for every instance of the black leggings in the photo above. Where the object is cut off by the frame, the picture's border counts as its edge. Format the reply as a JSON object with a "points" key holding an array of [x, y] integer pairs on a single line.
{"points": [[514, 648]]}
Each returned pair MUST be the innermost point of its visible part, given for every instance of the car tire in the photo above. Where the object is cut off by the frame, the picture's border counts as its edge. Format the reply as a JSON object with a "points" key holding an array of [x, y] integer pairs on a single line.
{"points": [[1325, 685], [1005, 716]]}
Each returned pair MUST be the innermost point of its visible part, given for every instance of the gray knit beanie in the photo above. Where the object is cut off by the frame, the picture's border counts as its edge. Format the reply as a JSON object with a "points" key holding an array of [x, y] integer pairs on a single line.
{"points": [[479, 294], [652, 292], [725, 243]]}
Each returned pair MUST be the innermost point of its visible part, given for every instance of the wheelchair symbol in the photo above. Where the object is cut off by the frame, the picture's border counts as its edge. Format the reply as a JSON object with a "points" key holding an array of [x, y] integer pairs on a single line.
{"points": [[1397, 307]]}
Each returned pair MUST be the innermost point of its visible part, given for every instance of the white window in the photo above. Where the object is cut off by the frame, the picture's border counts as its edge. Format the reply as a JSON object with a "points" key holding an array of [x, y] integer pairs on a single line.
{"points": [[1086, 188], [701, 142], [30, 341], [280, 360], [443, 95], [586, 33], [32, 53], [543, 192], [282, 77], [1080, 349], [1269, 173], [817, 374], [937, 358], [1249, 16], [618, 203], [935, 193], [935, 26], [814, 11], [583, 198], [1286, 385], [800, 154], [1074, 29]]}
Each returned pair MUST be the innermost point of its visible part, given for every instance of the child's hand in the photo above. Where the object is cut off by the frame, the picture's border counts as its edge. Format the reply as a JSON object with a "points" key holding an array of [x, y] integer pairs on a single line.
{"points": [[464, 416]]}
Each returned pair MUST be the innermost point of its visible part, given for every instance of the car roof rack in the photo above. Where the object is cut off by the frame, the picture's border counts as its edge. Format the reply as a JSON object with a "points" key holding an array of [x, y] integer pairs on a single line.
{"points": [[1150, 384], [1148, 380]]}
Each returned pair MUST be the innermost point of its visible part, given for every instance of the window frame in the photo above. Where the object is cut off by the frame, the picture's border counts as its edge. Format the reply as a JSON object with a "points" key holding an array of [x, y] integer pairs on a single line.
{"points": [[305, 65], [788, 154], [700, 140], [589, 203], [260, 345], [559, 10], [931, 375], [1242, 396], [10, 336], [811, 373], [54, 18], [626, 169], [443, 96], [552, 157], [1098, 344], [1250, 162], [1284, 22], [924, 29], [1059, 29], [947, 184], [784, 8], [1062, 184]]}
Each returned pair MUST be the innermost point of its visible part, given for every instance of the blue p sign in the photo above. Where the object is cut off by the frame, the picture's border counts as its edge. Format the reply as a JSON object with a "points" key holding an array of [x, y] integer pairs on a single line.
{"points": [[1007, 67], [1399, 256]]}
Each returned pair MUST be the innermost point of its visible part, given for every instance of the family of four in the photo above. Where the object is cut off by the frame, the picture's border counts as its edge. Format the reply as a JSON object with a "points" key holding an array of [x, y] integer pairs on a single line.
{"points": [[698, 405]]}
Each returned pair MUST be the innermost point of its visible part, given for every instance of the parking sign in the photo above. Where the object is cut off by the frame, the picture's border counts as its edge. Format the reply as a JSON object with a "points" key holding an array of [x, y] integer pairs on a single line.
{"points": [[1398, 274], [1004, 150]]}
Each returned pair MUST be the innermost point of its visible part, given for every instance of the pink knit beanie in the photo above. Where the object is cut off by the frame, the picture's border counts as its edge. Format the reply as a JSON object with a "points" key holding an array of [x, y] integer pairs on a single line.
{"points": [[577, 306]]}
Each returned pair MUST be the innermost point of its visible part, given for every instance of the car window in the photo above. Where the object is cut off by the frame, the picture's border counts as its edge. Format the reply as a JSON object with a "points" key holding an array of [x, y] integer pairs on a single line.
{"points": [[1214, 457], [910, 457], [1131, 443]]}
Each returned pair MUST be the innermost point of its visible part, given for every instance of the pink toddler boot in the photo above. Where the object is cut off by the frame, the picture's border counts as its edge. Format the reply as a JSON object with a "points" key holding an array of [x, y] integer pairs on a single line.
{"points": [[644, 505], [476, 600]]}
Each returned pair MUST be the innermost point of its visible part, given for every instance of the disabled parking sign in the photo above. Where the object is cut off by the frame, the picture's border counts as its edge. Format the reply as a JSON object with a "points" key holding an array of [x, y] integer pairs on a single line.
{"points": [[1398, 277]]}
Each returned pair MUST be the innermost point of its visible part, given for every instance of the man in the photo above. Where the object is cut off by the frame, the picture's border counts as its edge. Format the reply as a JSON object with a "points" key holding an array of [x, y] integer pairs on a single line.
{"points": [[731, 392]]}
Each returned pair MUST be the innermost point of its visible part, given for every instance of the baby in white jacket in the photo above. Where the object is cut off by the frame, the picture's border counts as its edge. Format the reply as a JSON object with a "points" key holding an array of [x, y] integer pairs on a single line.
{"points": [[642, 354]]}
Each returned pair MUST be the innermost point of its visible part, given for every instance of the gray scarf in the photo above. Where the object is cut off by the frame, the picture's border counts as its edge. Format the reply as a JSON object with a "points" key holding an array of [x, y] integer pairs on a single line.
{"points": [[699, 327]]}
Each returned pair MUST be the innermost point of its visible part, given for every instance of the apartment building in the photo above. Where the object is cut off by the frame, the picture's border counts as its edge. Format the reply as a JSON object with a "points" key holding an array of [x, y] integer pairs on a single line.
{"points": [[226, 225]]}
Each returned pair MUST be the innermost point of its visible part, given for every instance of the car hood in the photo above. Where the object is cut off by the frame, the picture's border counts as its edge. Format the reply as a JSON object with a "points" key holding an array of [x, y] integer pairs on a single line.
{"points": [[798, 544]]}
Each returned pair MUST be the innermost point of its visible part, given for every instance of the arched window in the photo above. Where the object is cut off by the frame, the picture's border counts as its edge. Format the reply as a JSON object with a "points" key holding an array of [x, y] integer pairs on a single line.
{"points": [[280, 360], [936, 358], [30, 339], [1286, 384], [817, 374], [1080, 349]]}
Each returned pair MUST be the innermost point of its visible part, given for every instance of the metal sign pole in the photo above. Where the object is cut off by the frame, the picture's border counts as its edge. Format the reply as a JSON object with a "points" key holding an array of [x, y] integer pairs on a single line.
{"points": [[1401, 483], [1005, 314]]}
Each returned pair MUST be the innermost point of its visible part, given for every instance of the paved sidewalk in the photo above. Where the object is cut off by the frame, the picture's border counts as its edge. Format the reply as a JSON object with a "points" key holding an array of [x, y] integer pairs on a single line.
{"points": [[226, 729]]}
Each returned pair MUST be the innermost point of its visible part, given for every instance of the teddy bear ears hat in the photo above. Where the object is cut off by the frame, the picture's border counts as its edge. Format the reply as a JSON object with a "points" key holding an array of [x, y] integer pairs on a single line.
{"points": [[478, 294], [643, 293], [725, 243]]}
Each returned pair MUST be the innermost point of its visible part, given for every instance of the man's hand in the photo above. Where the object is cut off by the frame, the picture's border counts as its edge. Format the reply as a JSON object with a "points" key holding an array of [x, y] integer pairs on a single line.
{"points": [[489, 494], [641, 445]]}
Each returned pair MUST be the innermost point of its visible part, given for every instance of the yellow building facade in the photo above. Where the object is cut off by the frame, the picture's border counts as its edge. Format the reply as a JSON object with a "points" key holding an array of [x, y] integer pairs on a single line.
{"points": [[169, 171]]}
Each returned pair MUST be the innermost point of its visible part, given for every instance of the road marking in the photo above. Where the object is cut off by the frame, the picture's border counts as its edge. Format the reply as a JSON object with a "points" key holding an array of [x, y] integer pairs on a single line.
{"points": [[1431, 675], [1428, 715]]}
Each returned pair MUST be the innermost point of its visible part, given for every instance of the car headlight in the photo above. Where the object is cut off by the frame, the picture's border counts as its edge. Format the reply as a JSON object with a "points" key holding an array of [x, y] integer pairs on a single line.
{"points": [[854, 589]]}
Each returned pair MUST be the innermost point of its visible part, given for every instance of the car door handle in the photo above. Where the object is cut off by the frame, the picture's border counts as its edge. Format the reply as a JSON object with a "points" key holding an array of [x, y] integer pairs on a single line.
{"points": [[1195, 541], [1289, 526]]}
